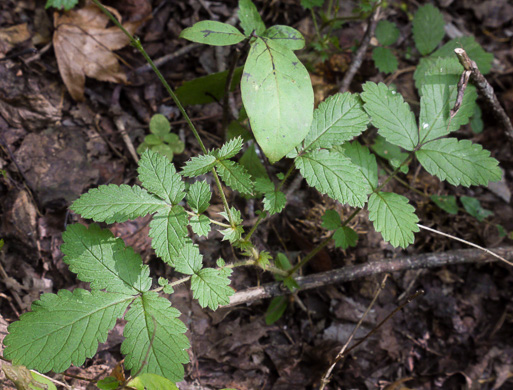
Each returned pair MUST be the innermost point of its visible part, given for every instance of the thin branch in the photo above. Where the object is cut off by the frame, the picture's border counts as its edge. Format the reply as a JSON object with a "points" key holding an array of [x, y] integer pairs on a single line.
{"points": [[486, 91], [168, 57], [385, 265], [360, 53]]}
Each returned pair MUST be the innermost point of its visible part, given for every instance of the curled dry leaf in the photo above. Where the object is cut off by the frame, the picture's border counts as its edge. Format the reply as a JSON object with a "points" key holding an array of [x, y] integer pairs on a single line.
{"points": [[84, 47]]}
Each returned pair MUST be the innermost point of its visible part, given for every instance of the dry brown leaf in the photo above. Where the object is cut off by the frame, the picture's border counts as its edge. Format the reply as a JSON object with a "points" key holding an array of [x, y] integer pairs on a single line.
{"points": [[84, 47], [11, 36]]}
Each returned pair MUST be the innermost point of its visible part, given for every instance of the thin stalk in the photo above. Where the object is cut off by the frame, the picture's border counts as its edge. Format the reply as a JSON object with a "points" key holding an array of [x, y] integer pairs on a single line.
{"points": [[316, 26], [193, 214], [136, 42]]}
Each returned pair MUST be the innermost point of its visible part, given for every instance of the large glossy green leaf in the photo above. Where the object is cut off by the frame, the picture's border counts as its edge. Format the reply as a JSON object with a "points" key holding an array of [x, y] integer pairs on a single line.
{"points": [[278, 97], [213, 33]]}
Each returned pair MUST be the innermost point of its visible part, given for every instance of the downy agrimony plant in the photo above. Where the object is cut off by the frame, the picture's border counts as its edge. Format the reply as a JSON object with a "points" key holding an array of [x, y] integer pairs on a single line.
{"points": [[65, 328]]}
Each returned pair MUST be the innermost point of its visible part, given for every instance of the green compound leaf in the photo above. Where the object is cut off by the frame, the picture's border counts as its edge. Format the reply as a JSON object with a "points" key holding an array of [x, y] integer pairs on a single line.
{"points": [[199, 165], [364, 160], [200, 225], [158, 175], [155, 336], [428, 28], [159, 125], [390, 115], [235, 215], [207, 89], [334, 174], [474, 208], [168, 230], [345, 237], [232, 234], [459, 162], [190, 260], [392, 153], [61, 4], [151, 382], [331, 220], [96, 256], [250, 19], [393, 217], [211, 287], [469, 44], [278, 97], [235, 176], [338, 119], [387, 32], [438, 97], [112, 203], [230, 149], [446, 202], [286, 36], [63, 329], [213, 33], [198, 197], [384, 59], [274, 202]]}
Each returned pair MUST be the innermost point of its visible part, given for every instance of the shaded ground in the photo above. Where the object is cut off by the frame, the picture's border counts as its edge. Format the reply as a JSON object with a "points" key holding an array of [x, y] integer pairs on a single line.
{"points": [[457, 335]]}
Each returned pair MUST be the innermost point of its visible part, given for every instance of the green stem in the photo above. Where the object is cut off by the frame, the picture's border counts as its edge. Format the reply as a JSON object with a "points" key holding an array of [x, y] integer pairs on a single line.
{"points": [[316, 26], [193, 214], [137, 44]]}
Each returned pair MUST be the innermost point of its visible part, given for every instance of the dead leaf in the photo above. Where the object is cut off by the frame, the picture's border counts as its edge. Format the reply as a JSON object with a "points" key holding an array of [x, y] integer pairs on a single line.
{"points": [[84, 47], [11, 36]]}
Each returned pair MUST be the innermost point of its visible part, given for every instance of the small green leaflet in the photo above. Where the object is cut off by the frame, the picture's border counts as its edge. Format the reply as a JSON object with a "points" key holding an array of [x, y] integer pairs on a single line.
{"points": [[474, 208], [232, 234], [112, 203], [237, 220], [393, 217], [459, 162], [390, 115], [338, 119], [213, 33], [159, 125], [274, 202], [198, 196], [158, 175], [387, 32], [331, 220], [230, 149], [199, 165], [345, 237], [200, 225], [207, 89], [384, 59], [438, 97], [364, 160], [390, 152], [250, 19], [61, 4], [428, 28], [446, 203], [156, 337], [96, 256], [276, 309], [235, 176], [309, 4], [168, 230], [278, 97], [72, 323], [334, 174], [286, 36], [210, 286], [151, 382]]}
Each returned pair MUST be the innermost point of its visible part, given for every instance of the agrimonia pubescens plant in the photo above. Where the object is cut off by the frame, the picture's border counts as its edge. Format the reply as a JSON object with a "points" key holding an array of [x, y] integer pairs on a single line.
{"points": [[65, 328]]}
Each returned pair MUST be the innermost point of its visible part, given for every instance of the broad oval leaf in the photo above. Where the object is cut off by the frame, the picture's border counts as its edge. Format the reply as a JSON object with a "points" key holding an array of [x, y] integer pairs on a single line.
{"points": [[213, 33], [278, 97], [286, 36], [459, 162], [393, 217]]}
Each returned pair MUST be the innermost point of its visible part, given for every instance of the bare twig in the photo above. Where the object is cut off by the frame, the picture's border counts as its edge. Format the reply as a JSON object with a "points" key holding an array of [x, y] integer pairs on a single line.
{"points": [[350, 273], [486, 91], [168, 57], [360, 53], [326, 377]]}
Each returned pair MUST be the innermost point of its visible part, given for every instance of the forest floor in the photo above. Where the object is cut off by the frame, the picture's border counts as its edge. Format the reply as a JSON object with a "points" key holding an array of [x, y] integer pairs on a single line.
{"points": [[457, 335]]}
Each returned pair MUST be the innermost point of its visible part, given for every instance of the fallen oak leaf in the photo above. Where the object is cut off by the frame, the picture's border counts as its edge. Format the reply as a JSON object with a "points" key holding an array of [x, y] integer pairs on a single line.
{"points": [[84, 47]]}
